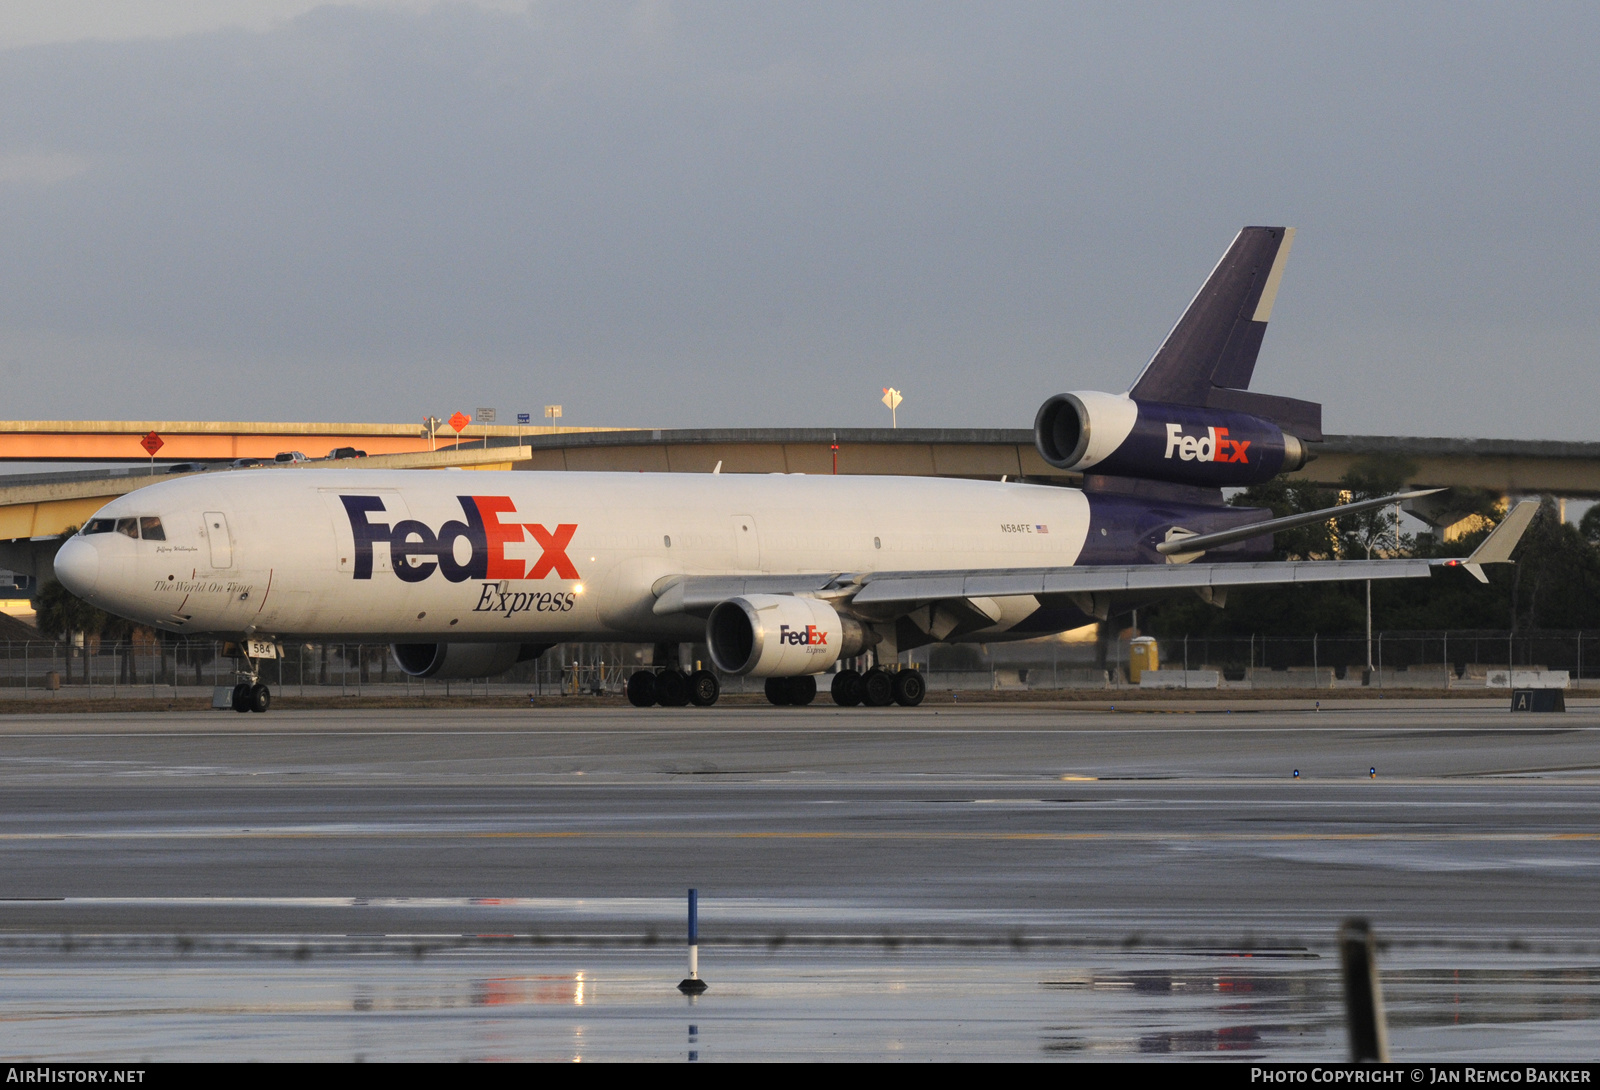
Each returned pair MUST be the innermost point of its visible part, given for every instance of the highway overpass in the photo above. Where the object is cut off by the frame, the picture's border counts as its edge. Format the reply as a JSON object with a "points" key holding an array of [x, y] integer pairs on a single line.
{"points": [[1504, 466], [1507, 467], [36, 508], [223, 440]]}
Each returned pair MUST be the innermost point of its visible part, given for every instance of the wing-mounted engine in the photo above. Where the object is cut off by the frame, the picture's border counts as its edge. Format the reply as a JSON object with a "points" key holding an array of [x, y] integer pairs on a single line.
{"points": [[455, 661], [781, 635], [1184, 444]]}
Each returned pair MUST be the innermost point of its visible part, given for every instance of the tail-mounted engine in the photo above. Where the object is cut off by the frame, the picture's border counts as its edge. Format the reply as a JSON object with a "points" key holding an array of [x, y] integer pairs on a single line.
{"points": [[779, 635], [1118, 436]]}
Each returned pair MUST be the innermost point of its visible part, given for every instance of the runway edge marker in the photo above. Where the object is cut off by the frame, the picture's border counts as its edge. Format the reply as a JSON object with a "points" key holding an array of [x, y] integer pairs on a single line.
{"points": [[692, 984]]}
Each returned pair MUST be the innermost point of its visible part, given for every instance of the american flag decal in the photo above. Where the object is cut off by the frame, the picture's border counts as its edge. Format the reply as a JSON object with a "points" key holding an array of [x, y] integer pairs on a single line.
{"points": [[1042, 529]]}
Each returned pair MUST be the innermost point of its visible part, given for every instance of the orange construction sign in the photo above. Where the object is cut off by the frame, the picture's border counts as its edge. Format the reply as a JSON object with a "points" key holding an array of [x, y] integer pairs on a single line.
{"points": [[152, 443]]}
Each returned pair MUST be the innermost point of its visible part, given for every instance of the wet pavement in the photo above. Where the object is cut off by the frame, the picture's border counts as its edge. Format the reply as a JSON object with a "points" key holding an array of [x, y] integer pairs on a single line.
{"points": [[948, 883], [841, 1004]]}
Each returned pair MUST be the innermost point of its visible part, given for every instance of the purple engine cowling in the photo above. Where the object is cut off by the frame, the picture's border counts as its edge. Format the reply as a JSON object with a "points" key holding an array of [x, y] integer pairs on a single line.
{"points": [[1117, 436]]}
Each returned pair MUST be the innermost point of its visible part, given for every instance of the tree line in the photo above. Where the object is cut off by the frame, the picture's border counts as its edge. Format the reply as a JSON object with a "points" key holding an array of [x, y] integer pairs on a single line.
{"points": [[1553, 585]]}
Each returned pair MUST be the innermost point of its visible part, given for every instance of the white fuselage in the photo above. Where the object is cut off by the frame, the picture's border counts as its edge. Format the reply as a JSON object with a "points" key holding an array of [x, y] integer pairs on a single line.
{"points": [[556, 556]]}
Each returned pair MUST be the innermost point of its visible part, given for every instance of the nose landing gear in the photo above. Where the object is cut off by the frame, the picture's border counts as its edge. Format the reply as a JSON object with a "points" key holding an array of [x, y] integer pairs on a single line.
{"points": [[250, 694]]}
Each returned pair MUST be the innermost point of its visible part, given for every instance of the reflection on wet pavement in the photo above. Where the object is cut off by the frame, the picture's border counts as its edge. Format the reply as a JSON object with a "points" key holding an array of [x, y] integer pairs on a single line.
{"points": [[847, 1004], [1052, 883]]}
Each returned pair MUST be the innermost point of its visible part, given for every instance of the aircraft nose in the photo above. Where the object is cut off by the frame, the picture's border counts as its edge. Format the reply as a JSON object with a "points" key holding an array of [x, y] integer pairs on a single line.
{"points": [[78, 566]]}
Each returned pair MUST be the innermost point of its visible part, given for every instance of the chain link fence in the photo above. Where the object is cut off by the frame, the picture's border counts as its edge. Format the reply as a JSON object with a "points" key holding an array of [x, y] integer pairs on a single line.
{"points": [[1458, 652], [192, 668], [1441, 659]]}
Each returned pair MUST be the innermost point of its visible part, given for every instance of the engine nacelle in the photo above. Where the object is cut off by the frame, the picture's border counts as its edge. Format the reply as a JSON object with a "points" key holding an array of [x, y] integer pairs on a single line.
{"points": [[454, 661], [1185, 444], [779, 635]]}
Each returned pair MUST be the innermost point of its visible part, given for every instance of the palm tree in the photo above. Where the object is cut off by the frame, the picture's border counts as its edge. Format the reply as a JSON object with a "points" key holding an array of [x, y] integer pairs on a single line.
{"points": [[63, 615], [1370, 478]]}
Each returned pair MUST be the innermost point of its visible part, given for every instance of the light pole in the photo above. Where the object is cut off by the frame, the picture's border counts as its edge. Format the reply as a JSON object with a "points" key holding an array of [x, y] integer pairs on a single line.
{"points": [[1369, 582], [1369, 617]]}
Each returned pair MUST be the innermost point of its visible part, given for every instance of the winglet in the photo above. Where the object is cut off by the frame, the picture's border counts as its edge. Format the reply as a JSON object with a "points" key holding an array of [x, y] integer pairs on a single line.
{"points": [[1496, 548]]}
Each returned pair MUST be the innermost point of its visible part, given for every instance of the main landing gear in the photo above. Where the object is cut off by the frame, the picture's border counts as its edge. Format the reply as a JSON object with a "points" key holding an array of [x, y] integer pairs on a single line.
{"points": [[673, 688], [878, 688], [798, 691]]}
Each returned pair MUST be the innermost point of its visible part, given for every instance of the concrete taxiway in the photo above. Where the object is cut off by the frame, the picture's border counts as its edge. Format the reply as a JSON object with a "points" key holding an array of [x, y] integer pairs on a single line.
{"points": [[911, 871]]}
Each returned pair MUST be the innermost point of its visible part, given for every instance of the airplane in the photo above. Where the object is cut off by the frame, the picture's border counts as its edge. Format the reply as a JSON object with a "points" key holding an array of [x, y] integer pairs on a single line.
{"points": [[783, 576]]}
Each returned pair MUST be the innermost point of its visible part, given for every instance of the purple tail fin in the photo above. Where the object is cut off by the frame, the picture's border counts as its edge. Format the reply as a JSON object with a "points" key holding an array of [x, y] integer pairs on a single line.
{"points": [[1209, 356]]}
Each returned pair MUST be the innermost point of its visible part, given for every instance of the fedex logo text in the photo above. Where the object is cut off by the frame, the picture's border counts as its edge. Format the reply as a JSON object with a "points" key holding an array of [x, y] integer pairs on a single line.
{"points": [[1214, 446], [809, 636], [416, 550], [505, 603]]}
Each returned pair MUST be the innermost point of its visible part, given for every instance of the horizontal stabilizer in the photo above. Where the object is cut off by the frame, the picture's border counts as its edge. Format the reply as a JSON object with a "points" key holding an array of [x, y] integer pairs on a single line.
{"points": [[1196, 543], [1302, 419]]}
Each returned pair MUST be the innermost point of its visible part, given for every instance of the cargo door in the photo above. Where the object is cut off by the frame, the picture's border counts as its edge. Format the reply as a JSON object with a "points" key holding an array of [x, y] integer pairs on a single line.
{"points": [[220, 539], [746, 543]]}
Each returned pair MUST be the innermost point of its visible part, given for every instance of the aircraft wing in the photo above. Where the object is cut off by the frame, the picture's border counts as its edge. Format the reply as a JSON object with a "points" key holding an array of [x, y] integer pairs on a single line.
{"points": [[918, 587], [699, 594]]}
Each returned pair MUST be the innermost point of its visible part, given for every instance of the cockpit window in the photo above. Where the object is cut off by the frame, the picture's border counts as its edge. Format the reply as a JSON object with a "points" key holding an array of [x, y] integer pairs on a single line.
{"points": [[145, 526]]}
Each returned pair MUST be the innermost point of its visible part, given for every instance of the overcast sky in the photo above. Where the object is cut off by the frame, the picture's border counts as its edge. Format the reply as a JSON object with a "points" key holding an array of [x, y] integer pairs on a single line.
{"points": [[687, 215]]}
